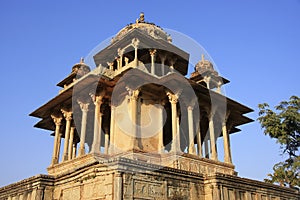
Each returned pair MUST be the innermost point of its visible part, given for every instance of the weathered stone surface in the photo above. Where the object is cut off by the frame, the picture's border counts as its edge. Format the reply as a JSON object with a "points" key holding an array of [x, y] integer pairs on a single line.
{"points": [[142, 180]]}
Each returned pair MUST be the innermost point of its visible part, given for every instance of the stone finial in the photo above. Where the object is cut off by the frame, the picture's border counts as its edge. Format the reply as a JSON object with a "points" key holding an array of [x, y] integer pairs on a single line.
{"points": [[81, 60], [142, 17]]}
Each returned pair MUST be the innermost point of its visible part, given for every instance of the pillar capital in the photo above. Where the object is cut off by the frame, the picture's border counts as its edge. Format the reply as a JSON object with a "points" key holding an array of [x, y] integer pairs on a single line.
{"points": [[190, 108], [211, 112], [135, 42], [152, 52], [173, 98], [97, 99], [162, 57], [126, 60], [111, 65], [134, 94], [162, 102], [191, 104], [83, 106], [56, 119], [120, 52], [67, 114]]}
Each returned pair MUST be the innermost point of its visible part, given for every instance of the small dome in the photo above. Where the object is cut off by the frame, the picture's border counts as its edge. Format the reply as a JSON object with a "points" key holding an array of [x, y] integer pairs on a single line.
{"points": [[81, 68], [146, 27], [204, 66]]}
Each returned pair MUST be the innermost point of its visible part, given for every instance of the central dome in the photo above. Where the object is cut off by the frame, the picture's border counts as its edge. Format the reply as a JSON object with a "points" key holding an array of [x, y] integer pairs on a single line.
{"points": [[146, 27]]}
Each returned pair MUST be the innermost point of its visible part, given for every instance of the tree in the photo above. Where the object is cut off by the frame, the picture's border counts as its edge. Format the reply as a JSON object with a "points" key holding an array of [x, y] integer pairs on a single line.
{"points": [[283, 124]]}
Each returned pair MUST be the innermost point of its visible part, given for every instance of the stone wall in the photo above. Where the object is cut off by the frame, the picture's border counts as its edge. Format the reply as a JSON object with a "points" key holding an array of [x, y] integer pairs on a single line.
{"points": [[39, 187], [123, 178]]}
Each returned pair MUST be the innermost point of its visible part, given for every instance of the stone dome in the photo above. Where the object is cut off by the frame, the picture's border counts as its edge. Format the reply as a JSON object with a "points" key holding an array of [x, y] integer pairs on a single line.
{"points": [[204, 66], [81, 68], [146, 27]]}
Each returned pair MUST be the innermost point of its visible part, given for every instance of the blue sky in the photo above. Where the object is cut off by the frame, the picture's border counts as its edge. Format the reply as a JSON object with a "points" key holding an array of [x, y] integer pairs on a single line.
{"points": [[254, 43]]}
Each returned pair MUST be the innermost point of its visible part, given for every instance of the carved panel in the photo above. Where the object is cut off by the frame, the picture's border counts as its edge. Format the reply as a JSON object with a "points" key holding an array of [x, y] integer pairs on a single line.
{"points": [[148, 190], [178, 192]]}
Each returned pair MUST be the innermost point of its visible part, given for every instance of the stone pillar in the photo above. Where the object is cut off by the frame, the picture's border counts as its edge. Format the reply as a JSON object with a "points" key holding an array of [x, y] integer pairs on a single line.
{"points": [[152, 54], [207, 81], [199, 142], [135, 43], [191, 130], [106, 142], [134, 103], [84, 108], [74, 149], [118, 63], [112, 129], [126, 61], [213, 146], [57, 137], [206, 150], [71, 141], [177, 138], [118, 186], [172, 62], [161, 148], [120, 53], [68, 118], [219, 87], [173, 100], [111, 65], [227, 151], [97, 124], [163, 59]]}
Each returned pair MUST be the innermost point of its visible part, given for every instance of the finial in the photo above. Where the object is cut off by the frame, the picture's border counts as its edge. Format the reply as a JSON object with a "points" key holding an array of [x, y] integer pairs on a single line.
{"points": [[202, 57], [81, 60], [142, 17]]}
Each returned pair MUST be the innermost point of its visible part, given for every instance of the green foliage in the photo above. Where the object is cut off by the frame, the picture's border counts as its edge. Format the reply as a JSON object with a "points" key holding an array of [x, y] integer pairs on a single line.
{"points": [[283, 124]]}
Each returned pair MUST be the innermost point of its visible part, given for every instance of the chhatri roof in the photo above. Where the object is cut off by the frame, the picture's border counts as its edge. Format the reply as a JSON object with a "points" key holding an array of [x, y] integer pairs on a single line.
{"points": [[146, 27]]}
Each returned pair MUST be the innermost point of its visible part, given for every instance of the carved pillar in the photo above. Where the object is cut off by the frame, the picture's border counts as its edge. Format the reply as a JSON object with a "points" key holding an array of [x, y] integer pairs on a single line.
{"points": [[118, 183], [134, 94], [84, 108], [177, 139], [57, 138], [120, 53], [213, 145], [206, 150], [207, 81], [112, 129], [191, 130], [97, 123], [135, 42], [111, 65], [106, 142], [118, 63], [199, 142], [74, 149], [68, 118], [161, 148], [163, 59], [172, 62], [173, 100], [219, 87], [126, 60], [152, 54], [226, 139], [71, 141]]}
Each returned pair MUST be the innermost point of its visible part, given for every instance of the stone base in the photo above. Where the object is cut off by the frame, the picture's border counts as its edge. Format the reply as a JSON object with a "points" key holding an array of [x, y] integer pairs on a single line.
{"points": [[132, 176]]}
